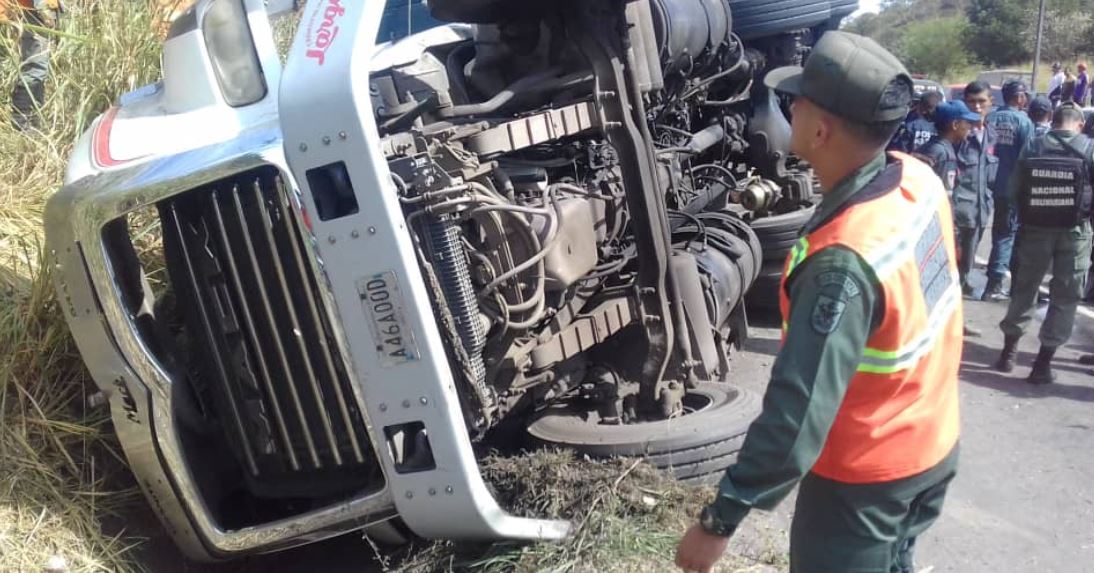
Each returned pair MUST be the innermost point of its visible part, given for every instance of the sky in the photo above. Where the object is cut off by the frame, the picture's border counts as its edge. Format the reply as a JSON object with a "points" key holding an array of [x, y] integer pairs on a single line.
{"points": [[867, 6]]}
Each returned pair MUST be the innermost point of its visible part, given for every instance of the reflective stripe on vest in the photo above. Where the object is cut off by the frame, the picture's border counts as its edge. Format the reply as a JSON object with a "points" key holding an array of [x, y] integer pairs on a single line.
{"points": [[899, 416], [943, 296]]}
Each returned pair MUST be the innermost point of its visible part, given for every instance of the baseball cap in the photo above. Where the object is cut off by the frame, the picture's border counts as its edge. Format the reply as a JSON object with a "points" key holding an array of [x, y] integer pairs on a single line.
{"points": [[849, 76], [1012, 88], [1040, 104], [952, 111]]}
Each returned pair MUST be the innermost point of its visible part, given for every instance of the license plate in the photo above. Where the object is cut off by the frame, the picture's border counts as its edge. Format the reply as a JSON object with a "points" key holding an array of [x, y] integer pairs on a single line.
{"points": [[384, 304]]}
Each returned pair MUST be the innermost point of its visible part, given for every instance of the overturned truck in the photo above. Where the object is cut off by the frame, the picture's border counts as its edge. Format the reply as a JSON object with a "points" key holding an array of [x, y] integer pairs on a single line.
{"points": [[434, 225]]}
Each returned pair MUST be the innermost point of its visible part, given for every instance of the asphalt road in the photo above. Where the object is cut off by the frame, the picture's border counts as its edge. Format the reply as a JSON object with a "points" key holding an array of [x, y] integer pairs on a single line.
{"points": [[1023, 500]]}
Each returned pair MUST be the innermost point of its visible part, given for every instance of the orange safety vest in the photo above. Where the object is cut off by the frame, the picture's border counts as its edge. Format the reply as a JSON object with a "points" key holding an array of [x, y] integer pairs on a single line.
{"points": [[899, 416]]}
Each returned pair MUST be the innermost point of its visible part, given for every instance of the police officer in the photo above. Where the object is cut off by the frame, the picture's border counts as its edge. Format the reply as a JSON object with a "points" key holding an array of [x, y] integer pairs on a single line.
{"points": [[919, 128], [976, 172], [1053, 181], [1040, 113], [1013, 130], [872, 324], [954, 122]]}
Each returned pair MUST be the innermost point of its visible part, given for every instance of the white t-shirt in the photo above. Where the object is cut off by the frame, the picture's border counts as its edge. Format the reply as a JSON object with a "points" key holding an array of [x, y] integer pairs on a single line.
{"points": [[1056, 81]]}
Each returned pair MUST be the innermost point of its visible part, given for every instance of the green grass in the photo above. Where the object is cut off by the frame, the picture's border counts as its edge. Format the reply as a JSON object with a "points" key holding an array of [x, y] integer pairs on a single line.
{"points": [[61, 473]]}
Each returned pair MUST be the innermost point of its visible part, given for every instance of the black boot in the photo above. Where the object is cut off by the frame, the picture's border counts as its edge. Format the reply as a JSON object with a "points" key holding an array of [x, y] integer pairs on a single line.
{"points": [[1005, 363], [1042, 367]]}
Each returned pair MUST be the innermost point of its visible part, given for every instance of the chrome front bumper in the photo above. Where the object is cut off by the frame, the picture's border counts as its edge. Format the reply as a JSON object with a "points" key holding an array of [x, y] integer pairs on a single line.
{"points": [[325, 116], [124, 366]]}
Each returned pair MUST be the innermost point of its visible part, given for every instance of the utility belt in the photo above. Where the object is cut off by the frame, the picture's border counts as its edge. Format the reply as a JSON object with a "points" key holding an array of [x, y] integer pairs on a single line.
{"points": [[1058, 193]]}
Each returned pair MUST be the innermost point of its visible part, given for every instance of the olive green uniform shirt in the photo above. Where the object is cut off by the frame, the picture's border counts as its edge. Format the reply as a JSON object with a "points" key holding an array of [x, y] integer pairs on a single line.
{"points": [[820, 354]]}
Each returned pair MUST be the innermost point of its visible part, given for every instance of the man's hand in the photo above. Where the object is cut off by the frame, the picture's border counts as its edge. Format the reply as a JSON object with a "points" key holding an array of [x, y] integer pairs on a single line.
{"points": [[699, 551]]}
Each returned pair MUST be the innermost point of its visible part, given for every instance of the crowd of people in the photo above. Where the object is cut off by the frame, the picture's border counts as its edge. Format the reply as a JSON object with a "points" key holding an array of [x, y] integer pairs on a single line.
{"points": [[1068, 87], [1026, 171]]}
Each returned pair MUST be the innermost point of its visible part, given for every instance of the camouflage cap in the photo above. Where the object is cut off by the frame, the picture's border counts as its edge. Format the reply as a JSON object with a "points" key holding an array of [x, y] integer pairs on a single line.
{"points": [[851, 77]]}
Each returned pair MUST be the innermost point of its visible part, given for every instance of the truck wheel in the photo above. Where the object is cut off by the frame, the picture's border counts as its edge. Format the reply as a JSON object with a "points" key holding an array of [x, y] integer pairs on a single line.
{"points": [[764, 294], [696, 447], [778, 233], [844, 8], [760, 18]]}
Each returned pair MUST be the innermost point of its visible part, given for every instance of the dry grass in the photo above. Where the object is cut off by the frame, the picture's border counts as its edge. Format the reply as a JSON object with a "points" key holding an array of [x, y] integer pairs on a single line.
{"points": [[627, 517], [61, 473]]}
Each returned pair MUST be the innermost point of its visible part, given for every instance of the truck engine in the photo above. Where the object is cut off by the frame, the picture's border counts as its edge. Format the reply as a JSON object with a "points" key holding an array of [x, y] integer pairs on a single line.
{"points": [[581, 202]]}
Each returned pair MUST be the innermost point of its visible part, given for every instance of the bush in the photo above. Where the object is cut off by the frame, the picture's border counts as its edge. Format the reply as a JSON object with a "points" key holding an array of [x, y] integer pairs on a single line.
{"points": [[935, 47]]}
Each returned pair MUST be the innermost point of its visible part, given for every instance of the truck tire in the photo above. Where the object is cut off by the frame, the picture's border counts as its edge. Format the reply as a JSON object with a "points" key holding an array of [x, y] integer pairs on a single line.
{"points": [[759, 18], [843, 8], [764, 294], [696, 447], [778, 233]]}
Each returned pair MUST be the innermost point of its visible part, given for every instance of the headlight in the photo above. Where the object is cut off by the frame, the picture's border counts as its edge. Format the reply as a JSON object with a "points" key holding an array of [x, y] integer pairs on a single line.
{"points": [[232, 53]]}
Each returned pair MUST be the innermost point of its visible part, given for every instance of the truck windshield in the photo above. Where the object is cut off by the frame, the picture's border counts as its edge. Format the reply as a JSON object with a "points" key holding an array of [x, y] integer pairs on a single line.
{"points": [[403, 18]]}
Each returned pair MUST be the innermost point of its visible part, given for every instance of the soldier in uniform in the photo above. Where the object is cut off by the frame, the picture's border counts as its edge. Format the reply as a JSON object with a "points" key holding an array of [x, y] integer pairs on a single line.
{"points": [[976, 173], [872, 312], [1054, 183], [1013, 130]]}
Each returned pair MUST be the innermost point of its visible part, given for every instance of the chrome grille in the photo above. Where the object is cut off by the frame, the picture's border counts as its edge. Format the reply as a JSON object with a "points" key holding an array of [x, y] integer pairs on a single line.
{"points": [[263, 346]]}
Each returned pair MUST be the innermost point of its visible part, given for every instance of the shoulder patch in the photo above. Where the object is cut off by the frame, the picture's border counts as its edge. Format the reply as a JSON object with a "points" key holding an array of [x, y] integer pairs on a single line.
{"points": [[838, 283], [835, 289], [827, 312]]}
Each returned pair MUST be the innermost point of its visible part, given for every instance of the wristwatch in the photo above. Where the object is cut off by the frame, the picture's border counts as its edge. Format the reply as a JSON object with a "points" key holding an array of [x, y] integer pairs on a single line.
{"points": [[710, 523]]}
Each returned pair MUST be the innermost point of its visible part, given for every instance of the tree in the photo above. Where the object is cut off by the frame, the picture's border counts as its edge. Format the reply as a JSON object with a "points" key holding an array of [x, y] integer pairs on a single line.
{"points": [[1067, 34], [867, 24], [993, 26], [935, 47], [889, 26]]}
